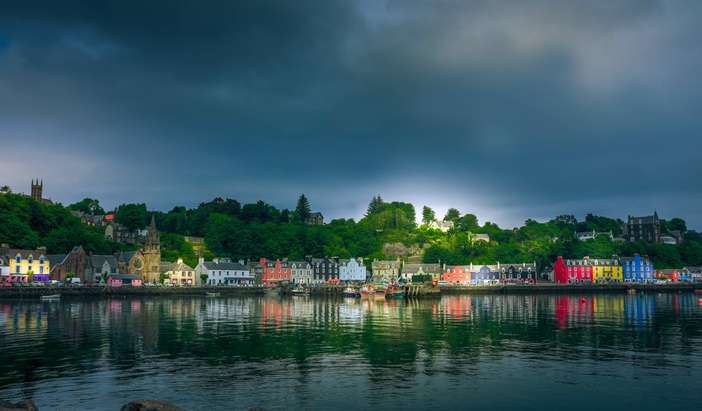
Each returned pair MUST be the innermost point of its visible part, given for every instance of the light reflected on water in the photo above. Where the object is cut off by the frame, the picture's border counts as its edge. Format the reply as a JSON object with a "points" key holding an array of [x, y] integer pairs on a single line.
{"points": [[486, 351]]}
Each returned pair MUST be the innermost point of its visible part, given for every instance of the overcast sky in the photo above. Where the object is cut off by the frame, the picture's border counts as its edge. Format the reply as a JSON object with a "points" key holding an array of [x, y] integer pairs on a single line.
{"points": [[506, 109]]}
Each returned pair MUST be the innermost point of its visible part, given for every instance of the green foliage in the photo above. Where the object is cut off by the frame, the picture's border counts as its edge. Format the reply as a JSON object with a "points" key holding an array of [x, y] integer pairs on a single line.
{"points": [[132, 216], [25, 223], [174, 246], [303, 209], [375, 206], [428, 215], [87, 206], [452, 215]]}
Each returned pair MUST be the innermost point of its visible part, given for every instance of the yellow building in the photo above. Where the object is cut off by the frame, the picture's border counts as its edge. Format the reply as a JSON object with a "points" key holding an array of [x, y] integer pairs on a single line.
{"points": [[607, 270], [25, 265], [180, 273]]}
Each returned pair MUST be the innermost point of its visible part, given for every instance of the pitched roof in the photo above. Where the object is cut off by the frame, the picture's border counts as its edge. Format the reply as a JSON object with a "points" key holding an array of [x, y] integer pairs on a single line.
{"points": [[409, 268], [55, 259], [97, 260], [211, 265]]}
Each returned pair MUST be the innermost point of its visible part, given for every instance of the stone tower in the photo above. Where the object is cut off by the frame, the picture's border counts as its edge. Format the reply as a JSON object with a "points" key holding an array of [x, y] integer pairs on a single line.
{"points": [[37, 190], [152, 254]]}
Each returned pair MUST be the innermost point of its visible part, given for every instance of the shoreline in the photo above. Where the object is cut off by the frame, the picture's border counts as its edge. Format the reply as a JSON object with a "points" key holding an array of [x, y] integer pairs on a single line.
{"points": [[543, 288]]}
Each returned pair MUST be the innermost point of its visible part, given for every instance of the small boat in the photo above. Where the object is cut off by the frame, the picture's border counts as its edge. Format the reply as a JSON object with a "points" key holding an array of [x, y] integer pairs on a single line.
{"points": [[351, 292], [52, 297], [367, 291], [394, 291], [212, 294], [379, 294], [299, 291], [631, 291]]}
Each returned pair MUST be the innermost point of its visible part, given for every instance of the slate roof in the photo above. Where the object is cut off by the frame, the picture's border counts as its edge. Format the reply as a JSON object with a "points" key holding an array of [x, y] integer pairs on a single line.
{"points": [[56, 259], [427, 268], [211, 265], [97, 261]]}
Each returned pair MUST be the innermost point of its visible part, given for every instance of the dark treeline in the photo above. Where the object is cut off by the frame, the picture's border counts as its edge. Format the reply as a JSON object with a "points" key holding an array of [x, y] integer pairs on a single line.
{"points": [[387, 230]]}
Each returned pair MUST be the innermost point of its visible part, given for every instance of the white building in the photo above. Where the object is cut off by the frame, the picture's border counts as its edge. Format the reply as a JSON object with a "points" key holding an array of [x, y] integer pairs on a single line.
{"points": [[352, 270], [302, 272], [180, 273], [4, 266], [443, 226], [221, 271]]}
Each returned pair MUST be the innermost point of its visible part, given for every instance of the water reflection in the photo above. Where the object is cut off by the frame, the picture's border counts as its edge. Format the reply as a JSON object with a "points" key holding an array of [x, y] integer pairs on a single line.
{"points": [[372, 348]]}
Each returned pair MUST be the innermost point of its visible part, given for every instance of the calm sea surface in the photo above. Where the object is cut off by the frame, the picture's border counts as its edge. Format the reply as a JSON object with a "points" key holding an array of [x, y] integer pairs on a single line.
{"points": [[590, 352]]}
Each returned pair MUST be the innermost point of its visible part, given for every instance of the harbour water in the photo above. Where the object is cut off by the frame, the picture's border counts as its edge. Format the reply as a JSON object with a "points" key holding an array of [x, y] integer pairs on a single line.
{"points": [[533, 352]]}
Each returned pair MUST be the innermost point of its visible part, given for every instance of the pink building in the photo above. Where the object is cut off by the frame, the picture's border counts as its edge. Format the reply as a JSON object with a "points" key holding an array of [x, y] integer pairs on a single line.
{"points": [[119, 280]]}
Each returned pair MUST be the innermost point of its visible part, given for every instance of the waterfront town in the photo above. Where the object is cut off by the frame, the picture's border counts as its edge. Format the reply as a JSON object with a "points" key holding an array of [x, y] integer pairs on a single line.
{"points": [[144, 266]]}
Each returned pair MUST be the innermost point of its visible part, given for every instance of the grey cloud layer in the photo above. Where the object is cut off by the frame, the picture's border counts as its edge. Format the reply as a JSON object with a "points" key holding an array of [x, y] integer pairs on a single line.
{"points": [[508, 109]]}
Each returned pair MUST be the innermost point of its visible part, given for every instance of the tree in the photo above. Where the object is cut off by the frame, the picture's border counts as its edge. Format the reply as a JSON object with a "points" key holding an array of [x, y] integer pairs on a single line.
{"points": [[376, 205], [468, 222], [452, 215], [303, 210], [132, 216], [428, 215], [87, 206], [5, 189]]}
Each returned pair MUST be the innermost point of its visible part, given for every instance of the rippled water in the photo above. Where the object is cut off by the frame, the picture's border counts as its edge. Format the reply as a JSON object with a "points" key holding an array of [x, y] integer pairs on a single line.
{"points": [[478, 352]]}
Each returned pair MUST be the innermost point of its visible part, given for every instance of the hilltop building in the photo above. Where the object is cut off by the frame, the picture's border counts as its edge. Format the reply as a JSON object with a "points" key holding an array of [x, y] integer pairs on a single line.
{"points": [[315, 218], [647, 228]]}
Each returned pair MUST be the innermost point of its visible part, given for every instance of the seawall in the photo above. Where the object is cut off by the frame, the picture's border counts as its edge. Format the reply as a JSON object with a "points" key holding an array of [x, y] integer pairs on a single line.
{"points": [[36, 292]]}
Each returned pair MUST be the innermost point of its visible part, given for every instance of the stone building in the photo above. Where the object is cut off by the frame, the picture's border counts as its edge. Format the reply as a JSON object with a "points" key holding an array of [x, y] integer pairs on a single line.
{"points": [[315, 218], [325, 270], [152, 254], [302, 272], [409, 270], [74, 264], [385, 270], [647, 228]]}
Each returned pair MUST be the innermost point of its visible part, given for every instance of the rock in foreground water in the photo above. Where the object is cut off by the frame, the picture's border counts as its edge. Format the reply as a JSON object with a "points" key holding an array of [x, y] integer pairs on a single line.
{"points": [[27, 405], [149, 405]]}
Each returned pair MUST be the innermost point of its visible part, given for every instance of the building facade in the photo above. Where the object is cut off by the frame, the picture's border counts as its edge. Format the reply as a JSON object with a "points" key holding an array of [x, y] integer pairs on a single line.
{"points": [[607, 270], [151, 272], [637, 269], [315, 218], [223, 272], [181, 274], [25, 265], [325, 270], [409, 270], [302, 272], [385, 270], [274, 272], [457, 275], [73, 264], [588, 270], [352, 270], [646, 229]]}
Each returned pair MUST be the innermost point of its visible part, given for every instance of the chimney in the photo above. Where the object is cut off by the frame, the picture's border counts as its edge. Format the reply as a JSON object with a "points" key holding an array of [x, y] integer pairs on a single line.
{"points": [[215, 260], [200, 260]]}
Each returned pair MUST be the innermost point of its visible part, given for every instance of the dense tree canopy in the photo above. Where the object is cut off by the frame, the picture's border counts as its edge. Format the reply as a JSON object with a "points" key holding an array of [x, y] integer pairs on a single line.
{"points": [[260, 229]]}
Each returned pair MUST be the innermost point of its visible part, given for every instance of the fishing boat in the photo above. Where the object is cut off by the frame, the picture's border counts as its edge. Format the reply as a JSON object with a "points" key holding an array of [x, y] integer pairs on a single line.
{"points": [[367, 291], [52, 297], [212, 294], [379, 293], [351, 292], [394, 291]]}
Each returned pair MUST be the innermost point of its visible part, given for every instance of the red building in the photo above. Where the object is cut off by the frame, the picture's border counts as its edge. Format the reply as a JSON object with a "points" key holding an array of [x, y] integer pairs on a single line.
{"points": [[274, 272], [572, 271], [457, 275]]}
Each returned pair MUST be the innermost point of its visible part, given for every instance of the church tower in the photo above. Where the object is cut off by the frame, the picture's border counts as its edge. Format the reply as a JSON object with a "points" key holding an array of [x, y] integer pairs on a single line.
{"points": [[37, 190], [152, 254]]}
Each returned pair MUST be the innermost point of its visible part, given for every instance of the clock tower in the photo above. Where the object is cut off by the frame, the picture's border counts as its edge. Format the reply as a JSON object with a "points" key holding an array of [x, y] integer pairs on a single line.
{"points": [[152, 255]]}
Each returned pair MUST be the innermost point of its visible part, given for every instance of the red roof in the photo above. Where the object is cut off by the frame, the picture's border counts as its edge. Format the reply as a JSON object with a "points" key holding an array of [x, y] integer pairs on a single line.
{"points": [[109, 217]]}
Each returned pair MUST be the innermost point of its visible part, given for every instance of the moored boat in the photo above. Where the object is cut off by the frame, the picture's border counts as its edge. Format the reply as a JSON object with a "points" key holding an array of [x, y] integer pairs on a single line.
{"points": [[379, 293], [300, 291], [351, 292], [394, 291], [212, 294], [52, 297], [367, 291]]}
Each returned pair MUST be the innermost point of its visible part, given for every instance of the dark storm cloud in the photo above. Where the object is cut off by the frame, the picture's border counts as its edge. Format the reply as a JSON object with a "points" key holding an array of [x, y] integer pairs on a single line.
{"points": [[506, 109]]}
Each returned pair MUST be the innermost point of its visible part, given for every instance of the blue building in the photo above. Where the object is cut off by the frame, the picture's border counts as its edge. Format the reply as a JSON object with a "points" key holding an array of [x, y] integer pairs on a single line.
{"points": [[637, 269]]}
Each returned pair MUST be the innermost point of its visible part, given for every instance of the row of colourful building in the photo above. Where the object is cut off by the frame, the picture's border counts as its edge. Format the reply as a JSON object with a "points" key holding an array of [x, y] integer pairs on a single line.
{"points": [[607, 270]]}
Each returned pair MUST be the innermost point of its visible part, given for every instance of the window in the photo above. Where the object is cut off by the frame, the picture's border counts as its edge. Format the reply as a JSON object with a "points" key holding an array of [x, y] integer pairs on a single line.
{"points": [[18, 259]]}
